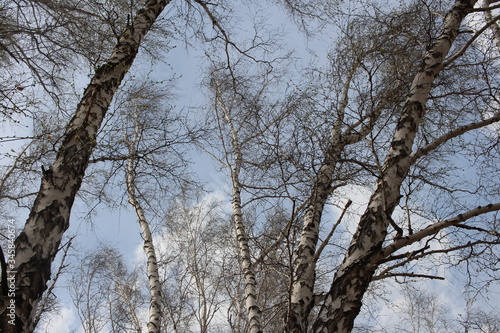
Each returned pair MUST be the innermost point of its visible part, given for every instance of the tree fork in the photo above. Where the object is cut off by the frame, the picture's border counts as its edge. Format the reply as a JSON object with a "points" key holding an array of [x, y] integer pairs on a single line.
{"points": [[351, 281]]}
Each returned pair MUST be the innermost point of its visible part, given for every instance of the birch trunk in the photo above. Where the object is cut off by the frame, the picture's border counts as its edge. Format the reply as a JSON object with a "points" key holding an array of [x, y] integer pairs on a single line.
{"points": [[253, 309], [302, 297], [154, 323], [252, 306], [494, 28], [38, 243], [343, 135], [343, 301]]}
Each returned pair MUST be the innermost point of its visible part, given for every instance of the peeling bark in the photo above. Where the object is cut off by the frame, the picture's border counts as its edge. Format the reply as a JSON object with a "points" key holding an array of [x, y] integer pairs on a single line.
{"points": [[38, 243], [343, 301], [302, 297]]}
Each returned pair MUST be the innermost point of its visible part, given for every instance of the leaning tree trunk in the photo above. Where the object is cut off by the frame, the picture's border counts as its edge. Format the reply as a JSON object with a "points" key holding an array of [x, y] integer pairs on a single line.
{"points": [[302, 296], [343, 301], [154, 323], [38, 243]]}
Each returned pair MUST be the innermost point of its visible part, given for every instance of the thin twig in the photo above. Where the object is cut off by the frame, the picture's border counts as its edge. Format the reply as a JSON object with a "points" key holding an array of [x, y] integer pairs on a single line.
{"points": [[327, 239]]}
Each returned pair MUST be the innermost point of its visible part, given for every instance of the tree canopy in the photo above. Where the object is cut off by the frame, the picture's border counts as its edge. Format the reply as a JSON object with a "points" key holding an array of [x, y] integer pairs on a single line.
{"points": [[302, 166]]}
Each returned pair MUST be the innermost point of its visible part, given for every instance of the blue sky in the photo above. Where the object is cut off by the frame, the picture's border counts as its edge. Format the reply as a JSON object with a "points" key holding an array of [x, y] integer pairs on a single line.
{"points": [[119, 228]]}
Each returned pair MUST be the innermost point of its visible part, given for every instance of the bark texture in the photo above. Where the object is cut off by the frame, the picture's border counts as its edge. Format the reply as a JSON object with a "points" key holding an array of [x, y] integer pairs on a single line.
{"points": [[343, 301], [252, 306], [38, 243], [253, 309], [495, 28], [302, 297], [154, 323]]}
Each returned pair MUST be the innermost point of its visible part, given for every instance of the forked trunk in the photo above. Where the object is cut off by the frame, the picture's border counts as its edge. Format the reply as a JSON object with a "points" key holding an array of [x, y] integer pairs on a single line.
{"points": [[351, 281]]}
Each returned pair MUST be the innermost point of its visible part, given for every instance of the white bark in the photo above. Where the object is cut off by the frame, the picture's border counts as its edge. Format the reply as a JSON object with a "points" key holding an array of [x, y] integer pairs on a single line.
{"points": [[302, 297], [495, 29], [39, 241], [154, 323], [252, 306], [343, 301], [253, 309]]}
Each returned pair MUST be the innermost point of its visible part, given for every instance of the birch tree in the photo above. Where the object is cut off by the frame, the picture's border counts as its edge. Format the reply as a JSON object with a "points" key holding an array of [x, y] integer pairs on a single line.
{"points": [[200, 252], [252, 306], [154, 323], [351, 147], [39, 241], [344, 298], [41, 40], [246, 122], [106, 294], [144, 142], [369, 246], [405, 106]]}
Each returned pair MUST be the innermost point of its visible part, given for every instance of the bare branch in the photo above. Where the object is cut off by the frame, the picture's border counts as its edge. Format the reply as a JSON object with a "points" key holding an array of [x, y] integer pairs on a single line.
{"points": [[436, 227], [330, 234], [283, 233], [453, 134], [478, 33], [413, 275], [469, 227]]}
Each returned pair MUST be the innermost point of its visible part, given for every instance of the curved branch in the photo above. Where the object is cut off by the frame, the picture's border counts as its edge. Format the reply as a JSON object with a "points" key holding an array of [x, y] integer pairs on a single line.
{"points": [[436, 227], [469, 43], [453, 134]]}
